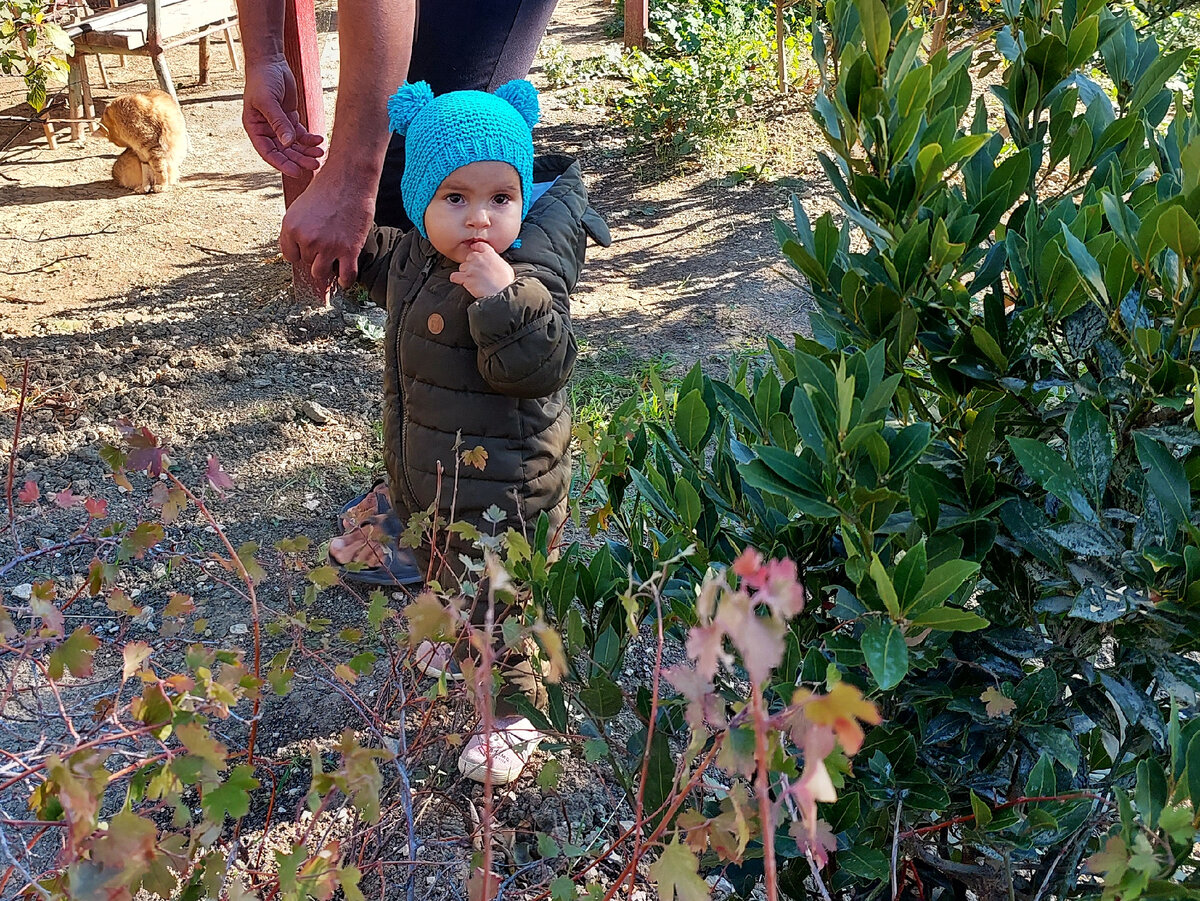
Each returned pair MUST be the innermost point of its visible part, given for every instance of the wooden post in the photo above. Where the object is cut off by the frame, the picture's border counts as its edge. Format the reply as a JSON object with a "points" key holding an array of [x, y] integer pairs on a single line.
{"points": [[154, 45], [233, 60], [300, 51], [637, 17], [780, 47], [76, 73], [204, 60]]}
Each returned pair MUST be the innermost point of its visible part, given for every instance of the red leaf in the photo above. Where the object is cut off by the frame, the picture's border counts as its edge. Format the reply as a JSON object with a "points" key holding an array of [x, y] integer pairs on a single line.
{"points": [[217, 476], [66, 499], [29, 493], [145, 451], [96, 508]]}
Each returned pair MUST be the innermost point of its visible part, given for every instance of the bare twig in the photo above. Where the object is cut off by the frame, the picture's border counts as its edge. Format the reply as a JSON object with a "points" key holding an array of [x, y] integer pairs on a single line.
{"points": [[12, 458], [896, 849], [43, 238], [640, 810], [42, 551], [816, 874], [72, 256], [30, 882]]}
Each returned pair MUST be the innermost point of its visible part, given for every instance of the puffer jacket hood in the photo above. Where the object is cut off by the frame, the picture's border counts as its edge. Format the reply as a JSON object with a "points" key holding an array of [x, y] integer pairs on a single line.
{"points": [[463, 374]]}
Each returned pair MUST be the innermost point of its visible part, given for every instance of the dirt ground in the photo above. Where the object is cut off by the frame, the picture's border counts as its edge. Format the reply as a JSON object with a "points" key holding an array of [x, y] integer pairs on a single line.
{"points": [[173, 310]]}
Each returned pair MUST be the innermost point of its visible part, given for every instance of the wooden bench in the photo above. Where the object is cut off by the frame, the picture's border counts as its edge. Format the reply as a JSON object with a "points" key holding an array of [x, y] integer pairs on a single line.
{"points": [[143, 28]]}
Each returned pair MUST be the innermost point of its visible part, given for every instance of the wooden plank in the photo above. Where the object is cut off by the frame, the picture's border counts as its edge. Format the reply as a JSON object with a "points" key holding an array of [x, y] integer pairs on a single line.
{"points": [[176, 18], [637, 18], [119, 17], [303, 56]]}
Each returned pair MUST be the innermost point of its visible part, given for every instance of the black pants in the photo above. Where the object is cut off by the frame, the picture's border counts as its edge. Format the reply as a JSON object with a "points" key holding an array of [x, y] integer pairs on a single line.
{"points": [[463, 45]]}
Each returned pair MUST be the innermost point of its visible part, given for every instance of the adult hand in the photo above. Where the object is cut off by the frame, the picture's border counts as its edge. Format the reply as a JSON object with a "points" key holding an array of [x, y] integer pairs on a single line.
{"points": [[484, 272], [271, 119], [329, 223]]}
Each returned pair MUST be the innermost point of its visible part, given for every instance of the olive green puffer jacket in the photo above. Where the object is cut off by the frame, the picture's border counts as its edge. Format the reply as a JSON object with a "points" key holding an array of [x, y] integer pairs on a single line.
{"points": [[462, 373]]}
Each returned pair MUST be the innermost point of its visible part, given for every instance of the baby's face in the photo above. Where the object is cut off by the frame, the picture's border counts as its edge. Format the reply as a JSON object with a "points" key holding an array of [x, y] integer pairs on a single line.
{"points": [[478, 202]]}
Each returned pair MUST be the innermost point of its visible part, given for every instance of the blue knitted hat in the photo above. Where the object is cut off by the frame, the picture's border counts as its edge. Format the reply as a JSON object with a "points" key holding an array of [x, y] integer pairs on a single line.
{"points": [[461, 127]]}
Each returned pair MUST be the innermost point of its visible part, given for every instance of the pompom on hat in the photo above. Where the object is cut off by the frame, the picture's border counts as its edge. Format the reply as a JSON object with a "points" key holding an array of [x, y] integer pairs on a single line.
{"points": [[444, 133]]}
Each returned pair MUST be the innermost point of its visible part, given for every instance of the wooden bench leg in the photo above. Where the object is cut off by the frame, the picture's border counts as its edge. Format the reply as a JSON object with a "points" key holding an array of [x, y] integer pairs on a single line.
{"points": [[75, 95], [103, 72], [89, 109], [48, 131], [164, 74], [233, 60], [204, 60]]}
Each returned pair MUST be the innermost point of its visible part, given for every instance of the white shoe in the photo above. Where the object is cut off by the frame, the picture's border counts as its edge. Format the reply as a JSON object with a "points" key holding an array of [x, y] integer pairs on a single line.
{"points": [[437, 659], [513, 741]]}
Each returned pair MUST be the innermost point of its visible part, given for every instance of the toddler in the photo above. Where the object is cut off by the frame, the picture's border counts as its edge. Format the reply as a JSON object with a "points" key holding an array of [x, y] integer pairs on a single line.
{"points": [[479, 346]]}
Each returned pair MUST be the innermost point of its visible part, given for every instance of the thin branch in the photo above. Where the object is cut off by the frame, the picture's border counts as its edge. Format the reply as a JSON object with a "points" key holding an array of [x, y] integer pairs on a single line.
{"points": [[12, 458], [43, 238], [896, 849], [73, 256], [816, 874], [4, 846]]}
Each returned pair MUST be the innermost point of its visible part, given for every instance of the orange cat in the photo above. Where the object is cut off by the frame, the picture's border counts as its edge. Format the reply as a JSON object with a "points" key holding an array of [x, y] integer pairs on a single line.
{"points": [[150, 125]]}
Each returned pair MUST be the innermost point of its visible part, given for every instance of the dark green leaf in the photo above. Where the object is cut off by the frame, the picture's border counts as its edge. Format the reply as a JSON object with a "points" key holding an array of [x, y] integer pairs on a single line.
{"points": [[1042, 783], [1053, 473], [1166, 478], [602, 697], [908, 445], [950, 619], [909, 574], [886, 653], [940, 584], [983, 813], [1085, 264], [691, 420]]}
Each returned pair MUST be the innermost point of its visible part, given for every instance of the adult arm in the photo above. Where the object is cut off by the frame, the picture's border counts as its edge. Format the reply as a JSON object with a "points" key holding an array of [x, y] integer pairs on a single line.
{"points": [[269, 102], [329, 222]]}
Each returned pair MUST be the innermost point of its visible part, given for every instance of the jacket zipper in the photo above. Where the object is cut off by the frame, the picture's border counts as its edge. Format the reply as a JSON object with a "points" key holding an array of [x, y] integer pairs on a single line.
{"points": [[404, 308]]}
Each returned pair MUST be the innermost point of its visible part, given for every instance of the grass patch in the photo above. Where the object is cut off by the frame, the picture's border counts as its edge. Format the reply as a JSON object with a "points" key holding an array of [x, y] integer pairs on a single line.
{"points": [[607, 376]]}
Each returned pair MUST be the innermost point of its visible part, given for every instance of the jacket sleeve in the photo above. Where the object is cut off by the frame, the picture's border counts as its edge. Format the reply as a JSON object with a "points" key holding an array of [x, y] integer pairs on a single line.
{"points": [[375, 259], [526, 346]]}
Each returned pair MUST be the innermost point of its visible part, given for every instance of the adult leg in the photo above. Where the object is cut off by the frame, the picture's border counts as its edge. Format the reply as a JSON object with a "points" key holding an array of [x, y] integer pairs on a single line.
{"points": [[463, 45]]}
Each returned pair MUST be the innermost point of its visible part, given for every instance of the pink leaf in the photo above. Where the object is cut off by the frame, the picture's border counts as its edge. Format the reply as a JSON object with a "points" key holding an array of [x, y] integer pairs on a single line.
{"points": [[217, 476], [96, 508], [704, 646], [703, 705], [29, 493], [66, 499], [748, 566]]}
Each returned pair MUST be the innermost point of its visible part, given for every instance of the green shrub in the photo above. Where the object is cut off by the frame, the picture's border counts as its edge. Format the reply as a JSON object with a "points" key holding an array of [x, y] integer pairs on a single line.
{"points": [[32, 47], [703, 67]]}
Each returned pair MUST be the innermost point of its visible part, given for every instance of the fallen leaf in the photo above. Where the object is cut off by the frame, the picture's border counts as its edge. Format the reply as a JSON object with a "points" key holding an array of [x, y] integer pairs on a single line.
{"points": [[29, 493], [217, 476], [996, 704], [65, 499], [179, 605]]}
